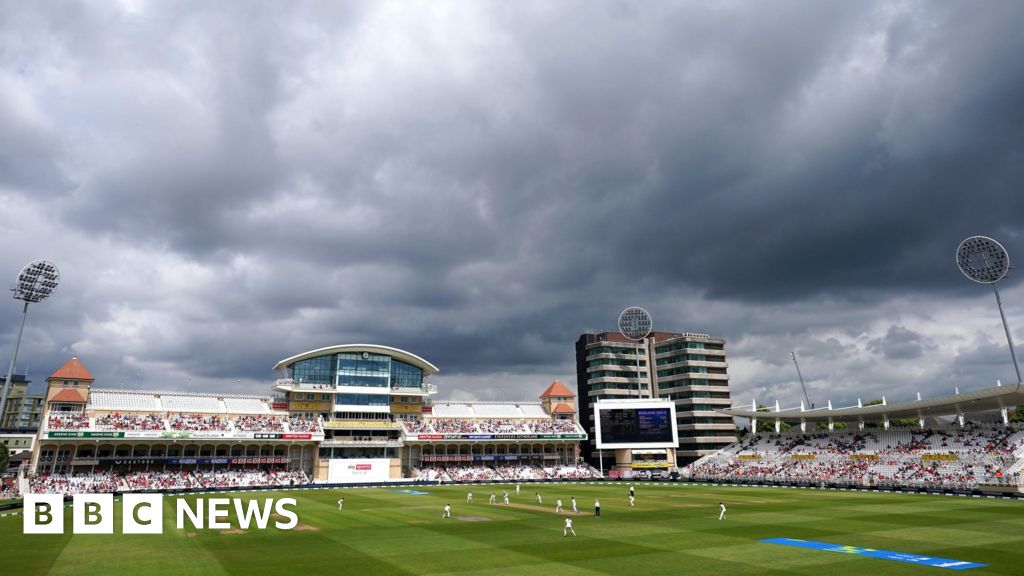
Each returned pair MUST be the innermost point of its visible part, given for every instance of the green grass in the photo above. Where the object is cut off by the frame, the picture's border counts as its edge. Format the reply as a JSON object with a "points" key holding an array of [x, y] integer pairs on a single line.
{"points": [[674, 529]]}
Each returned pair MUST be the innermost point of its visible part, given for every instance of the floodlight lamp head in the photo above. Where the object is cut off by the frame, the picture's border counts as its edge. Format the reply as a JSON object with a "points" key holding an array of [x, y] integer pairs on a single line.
{"points": [[635, 323], [36, 281], [982, 259]]}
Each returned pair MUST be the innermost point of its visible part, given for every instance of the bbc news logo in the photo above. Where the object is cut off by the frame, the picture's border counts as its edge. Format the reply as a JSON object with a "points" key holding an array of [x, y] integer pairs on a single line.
{"points": [[144, 513]]}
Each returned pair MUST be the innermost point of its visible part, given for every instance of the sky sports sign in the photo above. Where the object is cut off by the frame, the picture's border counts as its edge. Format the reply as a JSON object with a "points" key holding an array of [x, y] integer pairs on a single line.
{"points": [[144, 514]]}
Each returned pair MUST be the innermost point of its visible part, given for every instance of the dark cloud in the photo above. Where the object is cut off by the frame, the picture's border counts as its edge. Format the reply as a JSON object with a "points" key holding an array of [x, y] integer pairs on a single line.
{"points": [[225, 186], [899, 343]]}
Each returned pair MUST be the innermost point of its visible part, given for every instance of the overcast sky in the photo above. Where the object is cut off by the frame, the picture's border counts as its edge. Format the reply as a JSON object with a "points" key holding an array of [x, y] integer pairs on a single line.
{"points": [[226, 184]]}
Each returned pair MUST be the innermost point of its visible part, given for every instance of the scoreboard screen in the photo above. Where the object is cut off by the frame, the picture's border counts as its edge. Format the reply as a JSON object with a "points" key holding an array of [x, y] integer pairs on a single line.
{"points": [[636, 425]]}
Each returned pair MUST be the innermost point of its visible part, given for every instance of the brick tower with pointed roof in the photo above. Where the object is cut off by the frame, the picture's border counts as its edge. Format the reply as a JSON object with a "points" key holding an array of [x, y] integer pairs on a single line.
{"points": [[69, 384], [559, 401]]}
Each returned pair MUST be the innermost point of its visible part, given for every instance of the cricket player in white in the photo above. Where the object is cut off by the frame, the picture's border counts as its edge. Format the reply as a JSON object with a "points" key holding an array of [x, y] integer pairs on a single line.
{"points": [[568, 528], [517, 488], [447, 511], [539, 501], [558, 505], [493, 500], [575, 510], [506, 497], [632, 500], [597, 508], [469, 497], [721, 515], [341, 503]]}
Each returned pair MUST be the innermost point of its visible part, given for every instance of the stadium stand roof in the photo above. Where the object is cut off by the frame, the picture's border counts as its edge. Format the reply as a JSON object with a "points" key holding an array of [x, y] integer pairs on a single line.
{"points": [[563, 409], [983, 400], [488, 410], [407, 357], [184, 402]]}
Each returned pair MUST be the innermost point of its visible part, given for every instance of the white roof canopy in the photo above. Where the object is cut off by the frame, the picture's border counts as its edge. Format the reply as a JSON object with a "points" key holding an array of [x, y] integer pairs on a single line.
{"points": [[983, 400]]}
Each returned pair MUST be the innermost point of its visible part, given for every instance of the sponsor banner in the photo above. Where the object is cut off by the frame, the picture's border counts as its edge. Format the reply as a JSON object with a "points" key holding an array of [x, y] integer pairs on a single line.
{"points": [[259, 460], [500, 436], [938, 456], [873, 553], [803, 456], [399, 408], [749, 456], [179, 461], [648, 464], [75, 434], [85, 462], [311, 406], [203, 460], [864, 456], [358, 470], [447, 458], [279, 406], [281, 436]]}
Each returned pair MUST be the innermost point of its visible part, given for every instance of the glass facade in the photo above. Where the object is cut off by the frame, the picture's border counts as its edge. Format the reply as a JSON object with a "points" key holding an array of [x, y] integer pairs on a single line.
{"points": [[362, 399], [361, 369], [364, 369], [319, 370], [405, 375]]}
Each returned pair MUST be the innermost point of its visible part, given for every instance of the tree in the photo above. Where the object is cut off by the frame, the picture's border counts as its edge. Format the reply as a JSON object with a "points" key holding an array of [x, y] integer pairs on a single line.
{"points": [[836, 425], [767, 425], [5, 458], [1018, 414]]}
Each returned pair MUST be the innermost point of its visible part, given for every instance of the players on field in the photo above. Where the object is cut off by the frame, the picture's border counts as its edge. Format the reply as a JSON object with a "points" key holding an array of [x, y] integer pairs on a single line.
{"points": [[447, 511], [558, 506], [506, 497], [469, 497], [341, 503], [597, 508], [575, 510], [493, 500], [568, 527], [539, 501], [632, 500], [632, 490], [517, 488], [721, 515]]}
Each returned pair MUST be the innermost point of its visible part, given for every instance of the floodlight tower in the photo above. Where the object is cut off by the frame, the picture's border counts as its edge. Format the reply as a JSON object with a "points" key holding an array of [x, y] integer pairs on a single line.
{"points": [[985, 261], [35, 283], [635, 323]]}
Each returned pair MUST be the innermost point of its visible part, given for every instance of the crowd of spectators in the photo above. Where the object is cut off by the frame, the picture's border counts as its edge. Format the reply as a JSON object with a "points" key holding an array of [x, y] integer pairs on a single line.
{"points": [[488, 426], [958, 458], [190, 479], [453, 426], [496, 426], [303, 425], [251, 423], [511, 472], [199, 423], [100, 482], [67, 421], [118, 421], [553, 426], [74, 483]]}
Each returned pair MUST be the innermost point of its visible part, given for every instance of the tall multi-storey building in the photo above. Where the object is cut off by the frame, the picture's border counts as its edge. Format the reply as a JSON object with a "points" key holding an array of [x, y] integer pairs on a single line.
{"points": [[688, 368], [23, 409]]}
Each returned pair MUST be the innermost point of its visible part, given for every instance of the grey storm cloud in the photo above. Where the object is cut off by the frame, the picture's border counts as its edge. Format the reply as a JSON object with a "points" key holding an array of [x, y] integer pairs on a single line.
{"points": [[225, 185]]}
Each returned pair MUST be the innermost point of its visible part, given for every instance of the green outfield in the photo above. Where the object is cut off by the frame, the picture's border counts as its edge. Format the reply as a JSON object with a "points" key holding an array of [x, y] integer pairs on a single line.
{"points": [[674, 529]]}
